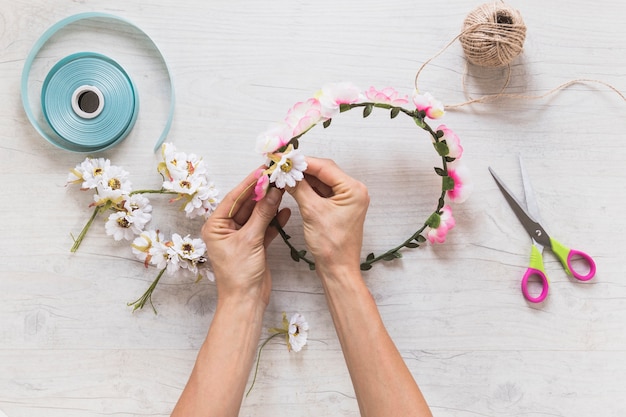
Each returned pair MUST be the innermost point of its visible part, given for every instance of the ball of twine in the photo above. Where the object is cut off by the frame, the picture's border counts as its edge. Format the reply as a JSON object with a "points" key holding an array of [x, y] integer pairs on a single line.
{"points": [[493, 35]]}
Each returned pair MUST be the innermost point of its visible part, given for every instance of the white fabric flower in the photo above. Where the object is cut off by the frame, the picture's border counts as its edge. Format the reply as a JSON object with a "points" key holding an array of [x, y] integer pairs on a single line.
{"points": [[91, 171], [138, 211], [186, 252], [112, 186], [205, 271], [160, 257], [143, 244], [298, 332], [289, 169], [119, 226], [203, 202]]}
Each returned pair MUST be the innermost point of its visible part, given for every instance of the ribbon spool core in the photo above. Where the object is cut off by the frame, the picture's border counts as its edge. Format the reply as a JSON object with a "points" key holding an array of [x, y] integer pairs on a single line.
{"points": [[79, 121], [87, 101]]}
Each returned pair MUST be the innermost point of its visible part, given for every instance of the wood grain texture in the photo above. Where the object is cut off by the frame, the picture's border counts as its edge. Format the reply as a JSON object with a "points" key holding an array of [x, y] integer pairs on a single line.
{"points": [[69, 345]]}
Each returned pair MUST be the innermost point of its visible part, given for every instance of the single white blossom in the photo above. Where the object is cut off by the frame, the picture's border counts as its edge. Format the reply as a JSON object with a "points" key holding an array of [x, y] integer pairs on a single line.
{"points": [[143, 243], [119, 226], [186, 252], [113, 186], [203, 202], [298, 332], [289, 169], [138, 211], [90, 172]]}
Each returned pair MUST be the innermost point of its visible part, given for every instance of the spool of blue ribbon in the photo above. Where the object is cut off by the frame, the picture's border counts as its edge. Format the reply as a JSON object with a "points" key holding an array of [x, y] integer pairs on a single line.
{"points": [[88, 100]]}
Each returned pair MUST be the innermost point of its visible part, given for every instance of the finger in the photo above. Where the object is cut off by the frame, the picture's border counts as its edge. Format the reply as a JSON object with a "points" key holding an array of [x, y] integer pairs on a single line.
{"points": [[243, 211], [263, 213], [326, 170], [282, 217], [302, 193], [234, 199], [323, 190]]}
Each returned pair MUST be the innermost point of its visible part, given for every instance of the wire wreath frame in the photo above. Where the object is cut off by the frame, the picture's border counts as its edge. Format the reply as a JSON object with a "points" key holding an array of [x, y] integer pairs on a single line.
{"points": [[417, 238]]}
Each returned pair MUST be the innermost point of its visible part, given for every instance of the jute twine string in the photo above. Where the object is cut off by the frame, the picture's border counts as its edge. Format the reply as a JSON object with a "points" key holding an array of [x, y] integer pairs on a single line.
{"points": [[493, 35]]}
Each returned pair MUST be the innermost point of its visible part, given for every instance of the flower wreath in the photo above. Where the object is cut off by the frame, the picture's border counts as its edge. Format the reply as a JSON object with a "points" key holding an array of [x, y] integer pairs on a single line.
{"points": [[185, 178], [285, 164]]}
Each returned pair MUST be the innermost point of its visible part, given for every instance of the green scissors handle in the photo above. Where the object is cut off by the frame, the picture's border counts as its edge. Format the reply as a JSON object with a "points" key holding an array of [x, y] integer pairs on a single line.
{"points": [[565, 255]]}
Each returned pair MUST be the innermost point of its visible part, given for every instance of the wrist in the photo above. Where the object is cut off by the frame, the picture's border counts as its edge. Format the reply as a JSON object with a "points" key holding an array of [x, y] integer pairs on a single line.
{"points": [[339, 273], [246, 308]]}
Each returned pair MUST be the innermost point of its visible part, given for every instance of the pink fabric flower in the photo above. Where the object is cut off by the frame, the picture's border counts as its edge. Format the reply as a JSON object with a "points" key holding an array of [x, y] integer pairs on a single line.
{"points": [[303, 115], [462, 184], [262, 184], [387, 95], [452, 140], [273, 138], [333, 95], [427, 103], [446, 222]]}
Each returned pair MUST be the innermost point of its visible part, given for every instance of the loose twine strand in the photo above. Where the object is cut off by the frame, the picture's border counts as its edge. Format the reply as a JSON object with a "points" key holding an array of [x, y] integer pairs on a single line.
{"points": [[493, 35]]}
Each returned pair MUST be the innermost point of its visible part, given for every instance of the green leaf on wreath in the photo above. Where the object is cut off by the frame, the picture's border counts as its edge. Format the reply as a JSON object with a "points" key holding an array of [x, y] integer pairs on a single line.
{"points": [[394, 112], [420, 239], [411, 245], [344, 107], [312, 267], [295, 255], [442, 148], [391, 256], [365, 266], [447, 183], [370, 257], [367, 110], [434, 220], [419, 122], [326, 123], [441, 172]]}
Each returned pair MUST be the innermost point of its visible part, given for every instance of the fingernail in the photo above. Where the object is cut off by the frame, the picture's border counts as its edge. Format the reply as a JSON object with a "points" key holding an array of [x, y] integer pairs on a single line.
{"points": [[273, 196]]}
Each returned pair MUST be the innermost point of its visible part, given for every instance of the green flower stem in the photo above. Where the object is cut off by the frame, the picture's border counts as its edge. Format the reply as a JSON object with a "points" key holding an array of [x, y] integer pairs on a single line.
{"points": [[295, 253], [83, 232], [147, 296], [101, 208], [159, 191], [258, 358]]}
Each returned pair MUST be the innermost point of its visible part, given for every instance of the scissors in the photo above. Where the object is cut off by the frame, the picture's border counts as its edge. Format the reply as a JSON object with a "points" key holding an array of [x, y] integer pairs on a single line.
{"points": [[530, 219]]}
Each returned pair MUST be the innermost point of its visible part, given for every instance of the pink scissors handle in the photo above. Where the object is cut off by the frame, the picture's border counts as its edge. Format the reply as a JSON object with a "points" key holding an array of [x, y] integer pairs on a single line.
{"points": [[576, 254], [532, 272], [566, 255]]}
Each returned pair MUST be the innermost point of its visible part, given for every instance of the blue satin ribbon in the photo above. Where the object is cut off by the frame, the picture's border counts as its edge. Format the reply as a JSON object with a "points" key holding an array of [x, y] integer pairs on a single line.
{"points": [[67, 129]]}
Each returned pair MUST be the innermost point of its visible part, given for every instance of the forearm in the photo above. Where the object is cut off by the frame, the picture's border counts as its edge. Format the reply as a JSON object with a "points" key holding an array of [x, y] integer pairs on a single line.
{"points": [[382, 382], [219, 377]]}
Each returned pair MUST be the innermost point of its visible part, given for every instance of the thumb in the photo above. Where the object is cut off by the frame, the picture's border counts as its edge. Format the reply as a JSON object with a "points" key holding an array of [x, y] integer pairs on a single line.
{"points": [[264, 211], [302, 192]]}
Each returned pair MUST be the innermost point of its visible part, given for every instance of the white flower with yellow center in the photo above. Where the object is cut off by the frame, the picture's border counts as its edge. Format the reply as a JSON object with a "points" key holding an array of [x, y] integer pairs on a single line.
{"points": [[186, 252], [298, 332], [289, 168]]}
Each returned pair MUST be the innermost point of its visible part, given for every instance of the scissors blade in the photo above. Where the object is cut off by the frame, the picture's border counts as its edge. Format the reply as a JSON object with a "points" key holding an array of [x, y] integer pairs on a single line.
{"points": [[531, 200], [533, 228]]}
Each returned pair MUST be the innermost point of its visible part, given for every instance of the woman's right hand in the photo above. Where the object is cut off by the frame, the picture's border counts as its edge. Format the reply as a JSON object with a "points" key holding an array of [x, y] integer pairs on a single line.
{"points": [[333, 206]]}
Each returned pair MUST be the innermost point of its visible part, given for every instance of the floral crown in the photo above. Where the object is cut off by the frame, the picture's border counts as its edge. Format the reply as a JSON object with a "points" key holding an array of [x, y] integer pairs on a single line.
{"points": [[285, 164], [186, 180]]}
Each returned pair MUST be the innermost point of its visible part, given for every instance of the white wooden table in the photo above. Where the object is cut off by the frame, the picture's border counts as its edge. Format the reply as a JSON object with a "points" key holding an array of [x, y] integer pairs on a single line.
{"points": [[69, 345]]}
